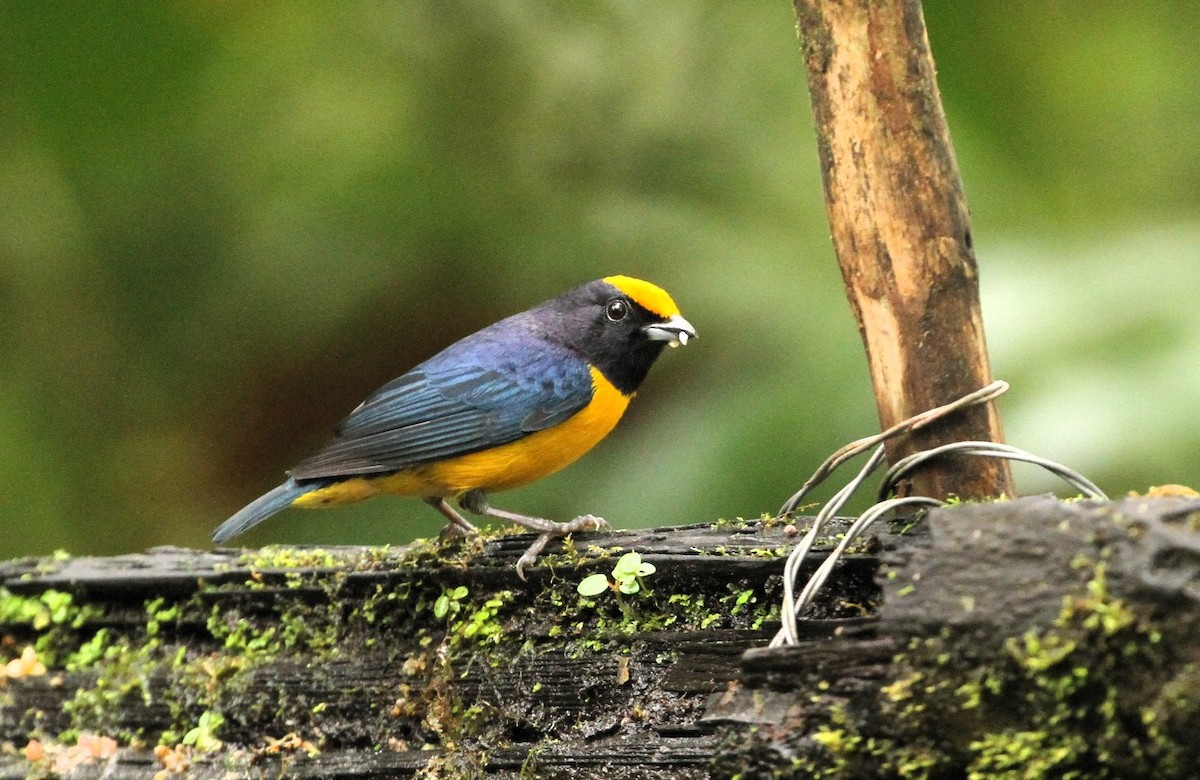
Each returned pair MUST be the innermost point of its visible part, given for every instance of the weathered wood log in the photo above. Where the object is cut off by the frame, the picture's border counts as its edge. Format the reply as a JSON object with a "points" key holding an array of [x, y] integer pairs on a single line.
{"points": [[1031, 638], [1025, 635], [901, 228], [400, 661]]}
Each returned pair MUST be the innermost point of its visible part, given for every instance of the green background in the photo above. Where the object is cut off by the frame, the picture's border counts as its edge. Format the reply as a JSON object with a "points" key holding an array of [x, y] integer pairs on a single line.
{"points": [[223, 223]]}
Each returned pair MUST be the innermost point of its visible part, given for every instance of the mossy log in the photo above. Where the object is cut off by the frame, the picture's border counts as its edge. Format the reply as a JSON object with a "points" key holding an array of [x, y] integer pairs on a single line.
{"points": [[1031, 637]]}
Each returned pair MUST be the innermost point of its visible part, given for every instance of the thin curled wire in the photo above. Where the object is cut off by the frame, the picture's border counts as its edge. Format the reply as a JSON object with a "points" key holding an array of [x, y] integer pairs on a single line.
{"points": [[793, 605], [985, 449], [791, 569], [916, 422]]}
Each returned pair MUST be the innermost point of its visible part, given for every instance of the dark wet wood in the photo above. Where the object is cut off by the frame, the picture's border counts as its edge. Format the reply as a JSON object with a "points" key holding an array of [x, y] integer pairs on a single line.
{"points": [[379, 705], [691, 691]]}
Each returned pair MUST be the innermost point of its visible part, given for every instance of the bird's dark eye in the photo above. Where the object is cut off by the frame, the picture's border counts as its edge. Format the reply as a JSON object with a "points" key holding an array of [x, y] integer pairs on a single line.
{"points": [[617, 309]]}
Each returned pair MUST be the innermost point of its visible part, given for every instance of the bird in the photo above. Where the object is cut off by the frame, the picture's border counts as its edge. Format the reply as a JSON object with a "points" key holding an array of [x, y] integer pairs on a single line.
{"points": [[505, 406]]}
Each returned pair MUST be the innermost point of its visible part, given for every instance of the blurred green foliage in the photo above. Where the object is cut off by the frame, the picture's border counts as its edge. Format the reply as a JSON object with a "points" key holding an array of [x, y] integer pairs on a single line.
{"points": [[224, 223]]}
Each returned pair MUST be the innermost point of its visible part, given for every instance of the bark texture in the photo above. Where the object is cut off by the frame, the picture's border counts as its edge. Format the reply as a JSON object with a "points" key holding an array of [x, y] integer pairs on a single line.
{"points": [[901, 228], [1030, 638]]}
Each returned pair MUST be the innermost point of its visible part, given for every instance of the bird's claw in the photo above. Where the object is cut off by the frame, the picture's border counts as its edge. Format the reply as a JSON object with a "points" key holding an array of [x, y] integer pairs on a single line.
{"points": [[530, 556], [586, 523], [581, 523], [451, 533]]}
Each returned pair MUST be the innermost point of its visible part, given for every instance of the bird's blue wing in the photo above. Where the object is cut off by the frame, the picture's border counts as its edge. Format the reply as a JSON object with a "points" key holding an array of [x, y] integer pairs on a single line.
{"points": [[484, 391]]}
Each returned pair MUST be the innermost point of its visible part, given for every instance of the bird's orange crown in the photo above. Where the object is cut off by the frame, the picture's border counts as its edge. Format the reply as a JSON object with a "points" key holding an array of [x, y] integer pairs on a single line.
{"points": [[649, 296]]}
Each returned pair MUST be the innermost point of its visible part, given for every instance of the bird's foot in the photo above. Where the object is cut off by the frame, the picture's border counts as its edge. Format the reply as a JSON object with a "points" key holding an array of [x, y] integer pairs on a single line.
{"points": [[581, 523], [476, 501], [587, 523], [453, 532]]}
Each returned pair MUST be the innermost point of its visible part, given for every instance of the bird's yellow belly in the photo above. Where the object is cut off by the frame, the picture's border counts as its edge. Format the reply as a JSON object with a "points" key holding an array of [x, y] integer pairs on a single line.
{"points": [[499, 468]]}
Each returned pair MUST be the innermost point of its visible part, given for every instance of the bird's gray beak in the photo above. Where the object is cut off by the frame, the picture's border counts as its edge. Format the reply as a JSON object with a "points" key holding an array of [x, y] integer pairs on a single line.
{"points": [[674, 331]]}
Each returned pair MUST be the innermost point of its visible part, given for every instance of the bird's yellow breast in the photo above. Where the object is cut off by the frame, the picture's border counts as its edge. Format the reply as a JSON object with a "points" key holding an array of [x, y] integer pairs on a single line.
{"points": [[499, 468]]}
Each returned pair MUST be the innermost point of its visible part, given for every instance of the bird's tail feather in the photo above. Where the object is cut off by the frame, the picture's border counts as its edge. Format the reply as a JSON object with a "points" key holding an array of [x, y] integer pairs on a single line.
{"points": [[260, 509]]}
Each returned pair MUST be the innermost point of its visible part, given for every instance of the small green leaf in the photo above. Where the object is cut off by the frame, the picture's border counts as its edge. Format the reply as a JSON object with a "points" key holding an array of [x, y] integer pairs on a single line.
{"points": [[629, 586], [627, 566], [593, 585], [441, 606], [204, 736], [646, 569], [459, 593]]}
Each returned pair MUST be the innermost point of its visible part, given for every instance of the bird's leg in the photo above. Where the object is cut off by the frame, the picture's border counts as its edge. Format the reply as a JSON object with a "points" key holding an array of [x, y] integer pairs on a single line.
{"points": [[475, 501], [458, 525]]}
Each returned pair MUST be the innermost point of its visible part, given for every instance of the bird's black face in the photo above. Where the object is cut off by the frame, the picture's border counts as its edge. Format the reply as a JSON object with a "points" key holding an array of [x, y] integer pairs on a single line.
{"points": [[620, 326]]}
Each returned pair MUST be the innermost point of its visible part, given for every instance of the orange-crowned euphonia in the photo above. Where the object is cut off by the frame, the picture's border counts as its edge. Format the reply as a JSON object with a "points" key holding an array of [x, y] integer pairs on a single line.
{"points": [[503, 407]]}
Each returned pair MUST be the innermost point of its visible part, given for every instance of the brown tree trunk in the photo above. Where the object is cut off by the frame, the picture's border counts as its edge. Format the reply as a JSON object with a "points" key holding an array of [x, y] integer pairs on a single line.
{"points": [[901, 227]]}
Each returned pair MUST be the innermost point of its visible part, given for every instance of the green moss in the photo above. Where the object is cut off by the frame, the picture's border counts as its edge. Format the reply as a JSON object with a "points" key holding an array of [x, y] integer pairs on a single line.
{"points": [[51, 620], [48, 608], [203, 659], [89, 653], [1057, 702], [586, 625], [572, 558], [482, 624], [1027, 755], [287, 560], [288, 557], [769, 552], [121, 674]]}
